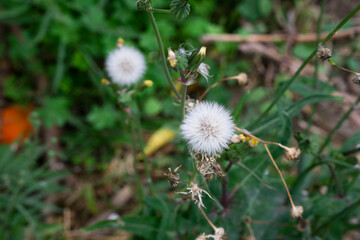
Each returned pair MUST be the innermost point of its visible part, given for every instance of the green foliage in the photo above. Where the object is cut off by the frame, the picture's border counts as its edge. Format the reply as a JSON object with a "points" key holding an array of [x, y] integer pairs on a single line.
{"points": [[55, 51], [24, 186]]}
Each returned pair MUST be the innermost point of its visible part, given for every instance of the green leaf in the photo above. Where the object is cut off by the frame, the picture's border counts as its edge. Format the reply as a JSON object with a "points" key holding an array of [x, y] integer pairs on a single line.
{"points": [[152, 107], [180, 8], [351, 142], [55, 111], [102, 117], [240, 105]]}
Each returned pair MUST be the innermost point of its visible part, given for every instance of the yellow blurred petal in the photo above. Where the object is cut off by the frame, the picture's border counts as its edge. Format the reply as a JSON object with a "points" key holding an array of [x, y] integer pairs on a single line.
{"points": [[158, 139]]}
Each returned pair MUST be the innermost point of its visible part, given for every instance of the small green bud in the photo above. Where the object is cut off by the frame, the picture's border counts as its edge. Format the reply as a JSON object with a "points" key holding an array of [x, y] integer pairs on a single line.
{"points": [[144, 5], [196, 58]]}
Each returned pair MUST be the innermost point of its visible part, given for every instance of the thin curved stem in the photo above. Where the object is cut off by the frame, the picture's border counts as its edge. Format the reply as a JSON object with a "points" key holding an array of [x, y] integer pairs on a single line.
{"points": [[156, 10], [282, 178], [308, 59], [207, 219], [183, 97], [162, 54]]}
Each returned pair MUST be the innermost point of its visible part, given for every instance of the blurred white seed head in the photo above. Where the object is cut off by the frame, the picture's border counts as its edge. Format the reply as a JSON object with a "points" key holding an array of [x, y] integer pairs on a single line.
{"points": [[125, 65], [207, 128]]}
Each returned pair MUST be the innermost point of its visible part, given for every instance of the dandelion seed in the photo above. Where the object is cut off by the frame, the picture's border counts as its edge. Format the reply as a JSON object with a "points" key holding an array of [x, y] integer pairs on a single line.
{"points": [[125, 65], [207, 128]]}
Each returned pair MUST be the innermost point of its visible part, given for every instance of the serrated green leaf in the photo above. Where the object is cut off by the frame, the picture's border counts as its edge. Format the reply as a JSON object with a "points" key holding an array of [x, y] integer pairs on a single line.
{"points": [[180, 8]]}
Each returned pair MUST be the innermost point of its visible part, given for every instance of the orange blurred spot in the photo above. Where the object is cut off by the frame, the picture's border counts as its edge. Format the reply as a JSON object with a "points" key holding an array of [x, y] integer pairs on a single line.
{"points": [[15, 124]]}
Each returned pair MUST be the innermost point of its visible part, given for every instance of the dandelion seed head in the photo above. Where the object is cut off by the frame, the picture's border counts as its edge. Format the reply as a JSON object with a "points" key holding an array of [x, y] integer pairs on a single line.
{"points": [[207, 128], [125, 65]]}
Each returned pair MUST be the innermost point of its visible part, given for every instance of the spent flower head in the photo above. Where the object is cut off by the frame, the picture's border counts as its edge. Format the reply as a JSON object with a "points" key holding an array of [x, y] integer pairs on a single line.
{"points": [[207, 128], [203, 69], [323, 53], [292, 153], [196, 194], [125, 65], [173, 176]]}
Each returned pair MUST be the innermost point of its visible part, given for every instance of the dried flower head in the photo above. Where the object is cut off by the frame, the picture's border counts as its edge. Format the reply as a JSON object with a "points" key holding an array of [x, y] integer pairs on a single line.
{"points": [[356, 80], [196, 194], [125, 65], [218, 235], [297, 211], [242, 79], [208, 167], [172, 58], [292, 153], [203, 69], [323, 53], [173, 176], [207, 128]]}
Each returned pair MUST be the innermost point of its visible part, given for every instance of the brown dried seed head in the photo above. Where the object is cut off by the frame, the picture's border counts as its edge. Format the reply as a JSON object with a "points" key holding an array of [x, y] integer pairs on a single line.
{"points": [[356, 80], [323, 53], [292, 153], [173, 176]]}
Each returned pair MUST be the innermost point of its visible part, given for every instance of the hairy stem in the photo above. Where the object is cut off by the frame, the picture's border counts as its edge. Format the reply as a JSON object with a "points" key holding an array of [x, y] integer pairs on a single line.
{"points": [[183, 97], [162, 53]]}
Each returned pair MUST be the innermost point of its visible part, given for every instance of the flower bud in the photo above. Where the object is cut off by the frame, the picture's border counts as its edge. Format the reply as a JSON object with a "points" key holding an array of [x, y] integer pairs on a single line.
{"points": [[105, 81], [120, 42], [196, 58], [143, 4], [148, 83]]}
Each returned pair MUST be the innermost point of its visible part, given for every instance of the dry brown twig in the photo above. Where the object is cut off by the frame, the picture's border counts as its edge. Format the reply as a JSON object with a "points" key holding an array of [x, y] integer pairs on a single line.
{"points": [[275, 37]]}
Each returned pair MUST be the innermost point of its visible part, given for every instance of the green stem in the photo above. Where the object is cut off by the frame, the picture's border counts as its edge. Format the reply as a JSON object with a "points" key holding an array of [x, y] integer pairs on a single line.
{"points": [[308, 59], [135, 163], [338, 125], [162, 54], [183, 97], [156, 10], [316, 73], [142, 145]]}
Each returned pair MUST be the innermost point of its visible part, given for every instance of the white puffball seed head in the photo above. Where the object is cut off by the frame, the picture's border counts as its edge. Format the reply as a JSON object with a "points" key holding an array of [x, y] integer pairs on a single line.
{"points": [[207, 128], [125, 65]]}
